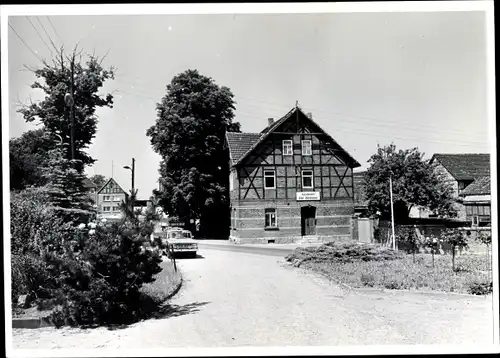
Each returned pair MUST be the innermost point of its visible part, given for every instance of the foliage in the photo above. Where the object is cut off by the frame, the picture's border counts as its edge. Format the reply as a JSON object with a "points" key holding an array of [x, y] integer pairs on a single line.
{"points": [[189, 133], [484, 237], [457, 239], [414, 183], [99, 274], [403, 273], [66, 188], [480, 287], [35, 228], [341, 252], [55, 82], [98, 179], [28, 155]]}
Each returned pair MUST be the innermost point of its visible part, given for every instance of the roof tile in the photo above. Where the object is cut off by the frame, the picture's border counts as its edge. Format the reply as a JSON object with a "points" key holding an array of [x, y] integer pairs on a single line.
{"points": [[465, 166], [480, 186], [240, 143]]}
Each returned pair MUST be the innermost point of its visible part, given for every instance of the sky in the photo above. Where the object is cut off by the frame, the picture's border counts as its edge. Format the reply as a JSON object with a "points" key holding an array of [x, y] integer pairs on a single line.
{"points": [[415, 79]]}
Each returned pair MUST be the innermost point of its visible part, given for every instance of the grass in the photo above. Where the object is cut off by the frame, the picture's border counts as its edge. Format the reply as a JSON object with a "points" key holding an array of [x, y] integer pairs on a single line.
{"points": [[165, 284], [348, 265]]}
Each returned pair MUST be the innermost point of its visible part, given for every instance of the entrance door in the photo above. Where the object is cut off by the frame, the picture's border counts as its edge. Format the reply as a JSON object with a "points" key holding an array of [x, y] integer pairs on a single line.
{"points": [[308, 220]]}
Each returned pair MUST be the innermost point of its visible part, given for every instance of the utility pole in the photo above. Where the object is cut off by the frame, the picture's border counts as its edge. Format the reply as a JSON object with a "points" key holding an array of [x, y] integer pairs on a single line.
{"points": [[392, 214]]}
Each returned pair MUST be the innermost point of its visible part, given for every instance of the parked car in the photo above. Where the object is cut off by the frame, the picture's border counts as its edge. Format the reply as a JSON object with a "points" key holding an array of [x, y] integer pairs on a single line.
{"points": [[182, 242]]}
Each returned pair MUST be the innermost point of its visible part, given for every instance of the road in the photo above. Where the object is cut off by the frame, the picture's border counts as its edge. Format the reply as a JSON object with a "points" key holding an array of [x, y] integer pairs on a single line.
{"points": [[232, 299]]}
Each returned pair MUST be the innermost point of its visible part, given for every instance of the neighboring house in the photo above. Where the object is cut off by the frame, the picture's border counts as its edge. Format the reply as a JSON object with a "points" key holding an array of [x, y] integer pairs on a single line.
{"points": [[290, 182], [460, 170], [109, 198], [91, 189], [477, 202]]}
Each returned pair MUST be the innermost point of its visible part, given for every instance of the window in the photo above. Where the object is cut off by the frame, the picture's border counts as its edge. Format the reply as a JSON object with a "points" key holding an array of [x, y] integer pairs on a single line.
{"points": [[487, 210], [287, 147], [269, 179], [307, 179], [231, 179], [306, 147], [475, 220], [270, 218], [106, 198], [117, 198], [116, 208], [106, 208]]}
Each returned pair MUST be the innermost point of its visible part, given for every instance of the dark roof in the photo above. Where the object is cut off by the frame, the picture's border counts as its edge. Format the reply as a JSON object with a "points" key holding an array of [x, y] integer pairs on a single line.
{"points": [[240, 143], [359, 189], [480, 186], [465, 166], [264, 134], [87, 183]]}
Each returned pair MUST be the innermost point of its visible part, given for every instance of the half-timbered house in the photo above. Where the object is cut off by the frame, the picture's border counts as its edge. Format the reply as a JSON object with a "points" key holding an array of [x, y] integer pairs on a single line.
{"points": [[291, 182]]}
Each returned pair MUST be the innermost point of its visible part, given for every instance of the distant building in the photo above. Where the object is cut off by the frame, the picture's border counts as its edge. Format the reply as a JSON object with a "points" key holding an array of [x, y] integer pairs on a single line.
{"points": [[477, 202], [460, 170], [109, 198], [291, 182]]}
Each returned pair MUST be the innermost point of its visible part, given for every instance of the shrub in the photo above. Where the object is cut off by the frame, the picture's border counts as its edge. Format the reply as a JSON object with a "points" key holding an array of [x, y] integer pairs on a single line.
{"points": [[99, 275], [367, 279], [478, 287], [35, 228]]}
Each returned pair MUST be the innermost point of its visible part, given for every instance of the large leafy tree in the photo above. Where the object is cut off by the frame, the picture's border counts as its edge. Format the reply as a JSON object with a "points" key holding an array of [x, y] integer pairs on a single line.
{"points": [[414, 183], [189, 132], [28, 156], [71, 92], [98, 179], [54, 80]]}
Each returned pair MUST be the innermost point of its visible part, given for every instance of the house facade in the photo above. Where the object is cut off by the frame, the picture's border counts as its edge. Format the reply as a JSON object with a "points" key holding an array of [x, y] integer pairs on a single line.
{"points": [[477, 202], [109, 198], [291, 182], [460, 171]]}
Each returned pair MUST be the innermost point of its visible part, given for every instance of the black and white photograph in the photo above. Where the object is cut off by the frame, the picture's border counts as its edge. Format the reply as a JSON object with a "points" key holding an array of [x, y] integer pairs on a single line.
{"points": [[249, 179]]}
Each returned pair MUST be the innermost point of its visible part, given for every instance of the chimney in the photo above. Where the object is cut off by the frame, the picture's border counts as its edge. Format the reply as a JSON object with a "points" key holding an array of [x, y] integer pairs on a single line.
{"points": [[270, 121], [309, 115]]}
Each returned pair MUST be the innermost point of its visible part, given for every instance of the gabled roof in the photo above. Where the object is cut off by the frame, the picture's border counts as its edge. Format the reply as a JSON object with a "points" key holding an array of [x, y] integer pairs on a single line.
{"points": [[464, 166], [114, 183], [239, 144], [480, 186], [268, 130]]}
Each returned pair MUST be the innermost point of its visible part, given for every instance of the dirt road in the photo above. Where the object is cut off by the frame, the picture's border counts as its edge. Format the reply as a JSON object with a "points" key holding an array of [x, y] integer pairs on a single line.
{"points": [[232, 299]]}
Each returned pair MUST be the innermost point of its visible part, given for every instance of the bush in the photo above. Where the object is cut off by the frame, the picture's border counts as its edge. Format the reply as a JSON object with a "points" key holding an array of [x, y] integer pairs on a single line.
{"points": [[99, 275], [367, 279], [342, 252], [35, 228], [480, 287]]}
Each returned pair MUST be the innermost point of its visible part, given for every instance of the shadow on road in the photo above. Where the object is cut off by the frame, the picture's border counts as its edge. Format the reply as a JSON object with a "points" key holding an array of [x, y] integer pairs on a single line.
{"points": [[166, 311]]}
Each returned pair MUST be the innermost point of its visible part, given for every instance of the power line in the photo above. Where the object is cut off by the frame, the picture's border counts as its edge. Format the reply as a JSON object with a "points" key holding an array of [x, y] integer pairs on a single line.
{"points": [[367, 120], [57, 34], [46, 33], [40, 36], [25, 44]]}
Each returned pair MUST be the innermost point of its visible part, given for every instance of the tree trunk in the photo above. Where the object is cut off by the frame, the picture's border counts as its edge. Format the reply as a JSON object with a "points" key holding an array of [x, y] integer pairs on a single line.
{"points": [[432, 256]]}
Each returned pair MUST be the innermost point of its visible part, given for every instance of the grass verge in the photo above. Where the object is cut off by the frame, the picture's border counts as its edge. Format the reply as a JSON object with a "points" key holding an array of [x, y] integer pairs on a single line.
{"points": [[368, 266]]}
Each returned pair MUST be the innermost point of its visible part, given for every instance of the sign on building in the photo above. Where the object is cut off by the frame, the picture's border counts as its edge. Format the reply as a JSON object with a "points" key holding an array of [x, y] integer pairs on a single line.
{"points": [[308, 195]]}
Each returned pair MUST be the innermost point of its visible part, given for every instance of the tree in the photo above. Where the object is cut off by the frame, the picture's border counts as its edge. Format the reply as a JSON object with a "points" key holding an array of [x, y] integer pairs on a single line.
{"points": [[28, 156], [457, 239], [55, 81], [98, 179], [414, 183], [189, 132]]}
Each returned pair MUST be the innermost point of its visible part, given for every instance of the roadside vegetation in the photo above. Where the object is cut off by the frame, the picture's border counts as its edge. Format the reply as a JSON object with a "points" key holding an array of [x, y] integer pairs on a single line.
{"points": [[365, 265]]}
